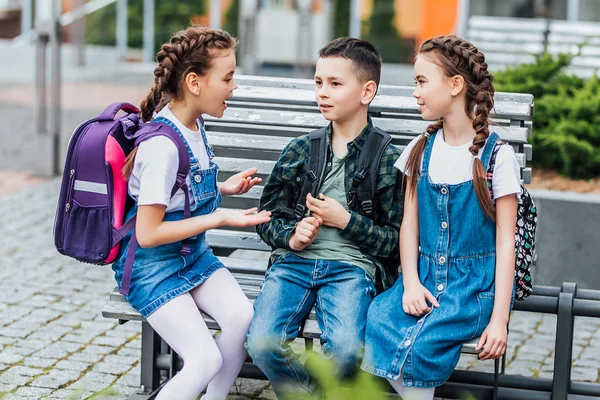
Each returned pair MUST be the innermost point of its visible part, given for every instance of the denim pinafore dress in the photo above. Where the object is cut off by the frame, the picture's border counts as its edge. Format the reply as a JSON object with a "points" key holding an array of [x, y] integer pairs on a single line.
{"points": [[162, 273], [457, 264]]}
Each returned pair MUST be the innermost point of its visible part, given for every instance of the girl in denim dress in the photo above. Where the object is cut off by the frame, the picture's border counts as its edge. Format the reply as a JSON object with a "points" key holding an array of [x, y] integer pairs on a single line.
{"points": [[169, 287], [456, 247]]}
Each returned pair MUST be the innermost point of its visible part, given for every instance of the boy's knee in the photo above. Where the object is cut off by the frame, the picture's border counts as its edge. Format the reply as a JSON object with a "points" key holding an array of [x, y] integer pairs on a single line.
{"points": [[262, 348], [345, 353]]}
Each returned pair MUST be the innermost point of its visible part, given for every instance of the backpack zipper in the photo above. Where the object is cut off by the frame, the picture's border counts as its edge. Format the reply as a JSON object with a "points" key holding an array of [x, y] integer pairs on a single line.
{"points": [[70, 191]]}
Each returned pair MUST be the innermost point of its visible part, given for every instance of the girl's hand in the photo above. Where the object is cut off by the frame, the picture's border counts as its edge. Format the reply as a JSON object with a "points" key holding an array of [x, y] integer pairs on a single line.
{"points": [[493, 340], [243, 218], [239, 183], [328, 210], [415, 298]]}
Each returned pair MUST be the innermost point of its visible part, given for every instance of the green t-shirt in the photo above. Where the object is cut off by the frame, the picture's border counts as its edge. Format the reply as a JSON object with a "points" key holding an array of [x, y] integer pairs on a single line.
{"points": [[329, 244]]}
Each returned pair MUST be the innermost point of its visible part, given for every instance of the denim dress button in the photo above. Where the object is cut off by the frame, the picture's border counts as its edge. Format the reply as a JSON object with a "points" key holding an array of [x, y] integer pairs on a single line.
{"points": [[440, 287], [442, 259], [198, 178], [444, 190], [444, 225], [407, 343]]}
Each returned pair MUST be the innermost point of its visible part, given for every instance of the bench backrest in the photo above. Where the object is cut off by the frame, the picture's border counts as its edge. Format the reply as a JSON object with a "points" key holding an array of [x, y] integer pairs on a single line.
{"points": [[265, 113], [507, 41], [566, 36], [512, 41]]}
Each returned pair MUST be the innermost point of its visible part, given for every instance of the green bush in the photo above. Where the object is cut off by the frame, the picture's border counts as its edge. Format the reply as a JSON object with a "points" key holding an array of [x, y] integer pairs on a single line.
{"points": [[362, 386], [170, 17], [323, 370], [566, 118]]}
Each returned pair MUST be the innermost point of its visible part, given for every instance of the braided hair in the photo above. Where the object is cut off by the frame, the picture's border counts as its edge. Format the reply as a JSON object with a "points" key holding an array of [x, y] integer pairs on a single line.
{"points": [[459, 57], [188, 51]]}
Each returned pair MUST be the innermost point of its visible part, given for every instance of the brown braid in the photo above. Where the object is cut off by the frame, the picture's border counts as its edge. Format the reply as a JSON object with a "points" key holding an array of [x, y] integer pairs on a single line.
{"points": [[459, 57], [188, 51]]}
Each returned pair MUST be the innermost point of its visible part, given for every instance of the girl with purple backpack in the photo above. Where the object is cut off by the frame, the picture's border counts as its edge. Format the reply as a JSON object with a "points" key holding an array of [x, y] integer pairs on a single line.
{"points": [[169, 287]]}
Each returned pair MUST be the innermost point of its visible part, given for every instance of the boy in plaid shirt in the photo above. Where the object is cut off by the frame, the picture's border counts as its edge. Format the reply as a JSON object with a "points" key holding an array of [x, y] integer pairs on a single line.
{"points": [[333, 254]]}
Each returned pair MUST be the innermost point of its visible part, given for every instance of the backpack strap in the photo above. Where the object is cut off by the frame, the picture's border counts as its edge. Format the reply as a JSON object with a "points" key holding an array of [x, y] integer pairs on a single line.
{"points": [[146, 132], [362, 189], [490, 156], [317, 144]]}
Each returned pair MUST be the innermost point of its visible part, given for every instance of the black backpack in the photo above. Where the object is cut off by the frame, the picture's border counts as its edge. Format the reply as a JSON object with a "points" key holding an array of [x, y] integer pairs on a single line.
{"points": [[527, 218], [362, 189]]}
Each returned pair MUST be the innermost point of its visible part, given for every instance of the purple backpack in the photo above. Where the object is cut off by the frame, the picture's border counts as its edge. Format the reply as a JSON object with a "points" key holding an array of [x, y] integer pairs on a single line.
{"points": [[92, 203]]}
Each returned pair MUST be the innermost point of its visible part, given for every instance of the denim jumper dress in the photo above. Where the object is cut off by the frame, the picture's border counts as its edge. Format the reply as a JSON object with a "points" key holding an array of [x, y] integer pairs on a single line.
{"points": [[162, 273], [457, 264]]}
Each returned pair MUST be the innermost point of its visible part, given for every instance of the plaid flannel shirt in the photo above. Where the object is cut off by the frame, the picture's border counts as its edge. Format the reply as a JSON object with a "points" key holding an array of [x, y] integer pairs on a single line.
{"points": [[377, 239]]}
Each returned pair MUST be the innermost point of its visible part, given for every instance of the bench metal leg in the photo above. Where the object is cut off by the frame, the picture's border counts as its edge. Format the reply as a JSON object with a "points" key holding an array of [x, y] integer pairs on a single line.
{"points": [[496, 375], [563, 355], [308, 344], [150, 374]]}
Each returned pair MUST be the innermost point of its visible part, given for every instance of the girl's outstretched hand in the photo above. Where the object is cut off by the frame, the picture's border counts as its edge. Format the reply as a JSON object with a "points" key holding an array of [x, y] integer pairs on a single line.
{"points": [[493, 340], [415, 298], [243, 218], [239, 183]]}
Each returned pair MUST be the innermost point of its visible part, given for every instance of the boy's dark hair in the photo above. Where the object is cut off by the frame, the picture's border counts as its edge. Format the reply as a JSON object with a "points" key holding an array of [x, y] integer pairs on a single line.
{"points": [[365, 58]]}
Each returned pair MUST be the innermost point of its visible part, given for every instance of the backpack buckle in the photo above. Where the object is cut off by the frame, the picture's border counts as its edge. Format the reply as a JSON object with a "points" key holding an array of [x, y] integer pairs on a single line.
{"points": [[299, 210], [312, 176], [128, 125], [360, 175], [367, 207]]}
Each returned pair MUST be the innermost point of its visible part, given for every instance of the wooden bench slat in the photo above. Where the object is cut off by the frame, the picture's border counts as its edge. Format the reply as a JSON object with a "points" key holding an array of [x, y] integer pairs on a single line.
{"points": [[381, 103], [508, 23], [229, 239], [269, 118], [387, 90], [230, 166]]}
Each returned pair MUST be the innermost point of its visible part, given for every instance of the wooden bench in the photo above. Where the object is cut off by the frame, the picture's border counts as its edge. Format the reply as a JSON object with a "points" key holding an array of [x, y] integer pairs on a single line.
{"points": [[507, 41], [512, 41], [568, 36], [263, 115]]}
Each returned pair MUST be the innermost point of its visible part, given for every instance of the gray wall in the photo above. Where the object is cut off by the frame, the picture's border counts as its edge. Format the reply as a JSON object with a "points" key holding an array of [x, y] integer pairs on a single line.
{"points": [[568, 239]]}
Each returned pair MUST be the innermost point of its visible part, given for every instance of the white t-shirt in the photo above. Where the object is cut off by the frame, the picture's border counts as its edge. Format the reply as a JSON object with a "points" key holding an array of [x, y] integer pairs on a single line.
{"points": [[156, 164], [454, 164]]}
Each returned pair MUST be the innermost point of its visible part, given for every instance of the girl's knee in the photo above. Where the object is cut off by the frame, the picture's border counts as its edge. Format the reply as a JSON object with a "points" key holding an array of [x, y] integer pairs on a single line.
{"points": [[206, 359], [243, 315], [239, 320]]}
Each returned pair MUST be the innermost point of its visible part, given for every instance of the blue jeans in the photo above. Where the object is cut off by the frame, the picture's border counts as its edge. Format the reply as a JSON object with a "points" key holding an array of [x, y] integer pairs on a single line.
{"points": [[342, 293]]}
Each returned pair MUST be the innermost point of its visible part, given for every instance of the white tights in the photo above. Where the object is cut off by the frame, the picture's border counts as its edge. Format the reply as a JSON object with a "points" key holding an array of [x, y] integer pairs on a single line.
{"points": [[411, 393], [205, 363]]}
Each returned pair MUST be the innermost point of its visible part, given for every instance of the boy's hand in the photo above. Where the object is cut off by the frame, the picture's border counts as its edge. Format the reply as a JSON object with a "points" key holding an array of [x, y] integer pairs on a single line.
{"points": [[305, 233], [239, 183], [415, 298], [329, 210], [493, 340]]}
